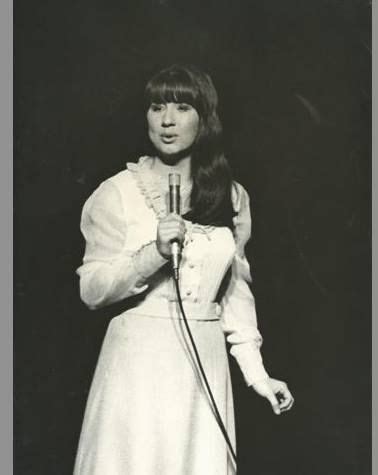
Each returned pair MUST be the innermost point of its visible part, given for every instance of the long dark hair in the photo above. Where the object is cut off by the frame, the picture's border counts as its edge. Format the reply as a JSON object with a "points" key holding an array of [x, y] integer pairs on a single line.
{"points": [[210, 199]]}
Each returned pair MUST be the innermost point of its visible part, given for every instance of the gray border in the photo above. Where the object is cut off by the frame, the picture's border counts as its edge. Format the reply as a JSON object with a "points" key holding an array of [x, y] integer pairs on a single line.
{"points": [[374, 232], [6, 247]]}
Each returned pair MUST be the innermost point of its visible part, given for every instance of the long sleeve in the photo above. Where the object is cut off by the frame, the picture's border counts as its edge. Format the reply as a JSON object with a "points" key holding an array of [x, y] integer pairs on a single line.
{"points": [[111, 272], [239, 321]]}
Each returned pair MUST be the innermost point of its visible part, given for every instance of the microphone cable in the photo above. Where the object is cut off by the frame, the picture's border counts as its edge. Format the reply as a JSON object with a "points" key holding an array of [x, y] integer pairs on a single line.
{"points": [[202, 371]]}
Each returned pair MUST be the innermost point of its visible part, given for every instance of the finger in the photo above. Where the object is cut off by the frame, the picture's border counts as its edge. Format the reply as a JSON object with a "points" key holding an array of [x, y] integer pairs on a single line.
{"points": [[285, 409], [172, 220], [174, 217], [172, 229], [169, 234], [285, 403], [288, 406], [168, 222], [284, 395], [274, 402], [168, 230], [280, 386], [172, 225], [285, 398], [172, 236]]}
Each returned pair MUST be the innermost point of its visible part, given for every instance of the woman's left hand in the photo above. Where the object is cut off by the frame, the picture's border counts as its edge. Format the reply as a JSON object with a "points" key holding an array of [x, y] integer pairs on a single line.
{"points": [[276, 392]]}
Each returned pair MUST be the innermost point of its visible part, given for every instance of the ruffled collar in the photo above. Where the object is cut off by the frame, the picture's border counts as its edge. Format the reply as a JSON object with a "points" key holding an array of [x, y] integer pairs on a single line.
{"points": [[154, 188]]}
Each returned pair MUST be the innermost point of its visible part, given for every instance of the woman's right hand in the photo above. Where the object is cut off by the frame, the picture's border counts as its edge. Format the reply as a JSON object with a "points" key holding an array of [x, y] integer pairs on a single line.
{"points": [[171, 228]]}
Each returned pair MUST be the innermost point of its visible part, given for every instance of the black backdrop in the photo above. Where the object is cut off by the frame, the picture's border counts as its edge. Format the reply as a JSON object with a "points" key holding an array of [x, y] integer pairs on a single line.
{"points": [[294, 82]]}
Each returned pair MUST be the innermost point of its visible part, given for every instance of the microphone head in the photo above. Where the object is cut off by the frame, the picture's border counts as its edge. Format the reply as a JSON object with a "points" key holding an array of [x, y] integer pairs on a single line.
{"points": [[174, 179]]}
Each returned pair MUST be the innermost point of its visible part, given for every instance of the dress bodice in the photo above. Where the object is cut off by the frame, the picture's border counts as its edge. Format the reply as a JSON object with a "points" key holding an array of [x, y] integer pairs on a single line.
{"points": [[207, 251]]}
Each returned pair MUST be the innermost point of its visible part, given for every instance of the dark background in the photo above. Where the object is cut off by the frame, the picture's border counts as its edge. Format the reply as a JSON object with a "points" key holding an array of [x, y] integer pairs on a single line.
{"points": [[294, 79]]}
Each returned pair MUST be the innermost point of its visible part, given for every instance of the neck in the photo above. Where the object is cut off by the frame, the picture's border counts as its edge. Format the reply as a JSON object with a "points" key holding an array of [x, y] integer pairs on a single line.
{"points": [[182, 166]]}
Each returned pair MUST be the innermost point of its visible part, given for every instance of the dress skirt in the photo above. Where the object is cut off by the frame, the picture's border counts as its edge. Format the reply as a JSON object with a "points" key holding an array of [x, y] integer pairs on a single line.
{"points": [[148, 412]]}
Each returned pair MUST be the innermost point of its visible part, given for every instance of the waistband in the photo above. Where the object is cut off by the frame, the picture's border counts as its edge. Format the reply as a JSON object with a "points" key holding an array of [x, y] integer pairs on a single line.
{"points": [[162, 308]]}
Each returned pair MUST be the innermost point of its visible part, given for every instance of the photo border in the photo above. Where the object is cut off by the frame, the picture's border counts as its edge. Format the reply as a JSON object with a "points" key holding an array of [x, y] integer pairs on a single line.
{"points": [[374, 241], [6, 247]]}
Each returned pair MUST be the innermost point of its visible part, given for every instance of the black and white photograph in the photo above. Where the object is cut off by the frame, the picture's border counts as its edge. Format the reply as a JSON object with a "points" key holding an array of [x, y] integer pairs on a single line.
{"points": [[192, 237]]}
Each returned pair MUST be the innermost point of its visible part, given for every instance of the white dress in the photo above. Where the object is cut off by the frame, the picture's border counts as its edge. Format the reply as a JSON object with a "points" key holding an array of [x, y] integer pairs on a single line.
{"points": [[147, 412]]}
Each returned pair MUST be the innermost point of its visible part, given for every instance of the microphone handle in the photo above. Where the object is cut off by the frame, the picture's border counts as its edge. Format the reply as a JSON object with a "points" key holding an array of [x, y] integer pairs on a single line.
{"points": [[174, 199], [175, 246], [174, 207]]}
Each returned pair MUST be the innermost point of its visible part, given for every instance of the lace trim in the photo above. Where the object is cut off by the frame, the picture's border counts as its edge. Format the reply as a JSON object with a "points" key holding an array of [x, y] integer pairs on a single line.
{"points": [[150, 188], [147, 185], [196, 228]]}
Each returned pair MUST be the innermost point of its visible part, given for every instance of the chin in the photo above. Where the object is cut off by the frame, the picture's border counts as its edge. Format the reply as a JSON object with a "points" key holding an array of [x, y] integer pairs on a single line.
{"points": [[173, 155], [170, 151]]}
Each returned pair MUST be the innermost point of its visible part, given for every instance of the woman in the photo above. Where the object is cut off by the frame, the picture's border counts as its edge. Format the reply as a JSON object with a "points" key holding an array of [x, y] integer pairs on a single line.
{"points": [[147, 411]]}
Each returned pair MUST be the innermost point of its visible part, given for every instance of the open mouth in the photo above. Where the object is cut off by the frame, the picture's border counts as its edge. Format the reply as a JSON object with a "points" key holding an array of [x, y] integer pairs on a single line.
{"points": [[168, 138]]}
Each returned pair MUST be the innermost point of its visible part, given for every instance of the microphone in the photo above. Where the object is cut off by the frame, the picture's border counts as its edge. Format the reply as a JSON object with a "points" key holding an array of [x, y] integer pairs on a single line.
{"points": [[174, 207]]}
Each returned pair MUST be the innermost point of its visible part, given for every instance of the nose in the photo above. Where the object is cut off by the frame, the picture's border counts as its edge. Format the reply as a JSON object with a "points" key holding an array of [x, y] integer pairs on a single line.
{"points": [[168, 116]]}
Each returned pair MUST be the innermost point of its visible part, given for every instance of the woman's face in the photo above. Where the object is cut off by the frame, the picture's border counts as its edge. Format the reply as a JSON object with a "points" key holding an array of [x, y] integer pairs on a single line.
{"points": [[172, 127]]}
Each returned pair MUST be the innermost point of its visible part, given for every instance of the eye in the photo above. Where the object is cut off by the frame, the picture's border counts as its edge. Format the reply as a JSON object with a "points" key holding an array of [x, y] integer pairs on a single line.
{"points": [[183, 107], [156, 107]]}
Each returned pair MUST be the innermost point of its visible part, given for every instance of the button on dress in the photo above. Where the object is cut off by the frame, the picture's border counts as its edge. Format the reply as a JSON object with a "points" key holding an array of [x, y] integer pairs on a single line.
{"points": [[147, 411]]}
